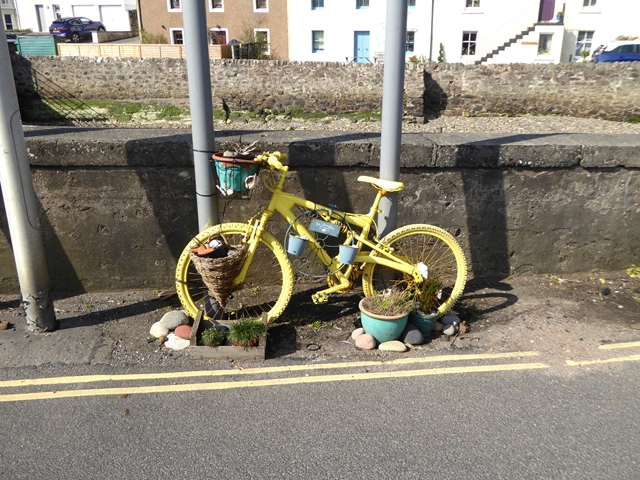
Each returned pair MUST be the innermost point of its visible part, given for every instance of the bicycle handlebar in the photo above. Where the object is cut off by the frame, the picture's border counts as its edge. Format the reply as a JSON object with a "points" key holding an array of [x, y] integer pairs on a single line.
{"points": [[273, 160]]}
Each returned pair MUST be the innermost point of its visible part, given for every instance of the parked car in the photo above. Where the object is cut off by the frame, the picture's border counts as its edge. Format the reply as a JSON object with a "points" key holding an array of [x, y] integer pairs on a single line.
{"points": [[75, 28], [628, 51]]}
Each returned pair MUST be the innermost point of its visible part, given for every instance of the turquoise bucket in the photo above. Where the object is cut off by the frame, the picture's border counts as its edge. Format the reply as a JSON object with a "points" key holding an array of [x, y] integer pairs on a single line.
{"points": [[422, 321], [233, 172], [383, 328]]}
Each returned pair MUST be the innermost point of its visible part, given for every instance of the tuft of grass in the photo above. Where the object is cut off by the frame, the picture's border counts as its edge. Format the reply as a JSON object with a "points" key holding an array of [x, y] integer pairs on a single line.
{"points": [[317, 324], [634, 119], [633, 271], [212, 337]]}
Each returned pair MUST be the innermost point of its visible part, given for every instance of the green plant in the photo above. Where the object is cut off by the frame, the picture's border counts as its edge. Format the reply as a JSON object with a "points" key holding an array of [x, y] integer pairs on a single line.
{"points": [[389, 303], [633, 271], [316, 324], [212, 337], [441, 57], [634, 119], [428, 294], [584, 54], [152, 38], [246, 332]]}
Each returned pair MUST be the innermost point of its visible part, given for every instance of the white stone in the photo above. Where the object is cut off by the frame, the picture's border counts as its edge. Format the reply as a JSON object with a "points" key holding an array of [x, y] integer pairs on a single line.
{"points": [[366, 341], [158, 330], [393, 346], [174, 319], [176, 343], [356, 333]]}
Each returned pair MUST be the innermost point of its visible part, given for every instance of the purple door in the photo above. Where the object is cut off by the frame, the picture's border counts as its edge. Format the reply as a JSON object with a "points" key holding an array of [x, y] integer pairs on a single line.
{"points": [[547, 10]]}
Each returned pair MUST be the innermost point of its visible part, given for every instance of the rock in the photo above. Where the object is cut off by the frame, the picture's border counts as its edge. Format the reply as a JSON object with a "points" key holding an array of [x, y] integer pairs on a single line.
{"points": [[412, 335], [176, 343], [366, 341], [183, 331], [158, 330], [449, 330], [437, 327], [463, 327], [174, 319], [393, 346], [356, 333], [449, 318]]}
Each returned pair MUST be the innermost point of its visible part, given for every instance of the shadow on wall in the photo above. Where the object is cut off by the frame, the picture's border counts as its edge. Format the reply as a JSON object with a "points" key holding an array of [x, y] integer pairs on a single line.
{"points": [[435, 99], [43, 101], [486, 204]]}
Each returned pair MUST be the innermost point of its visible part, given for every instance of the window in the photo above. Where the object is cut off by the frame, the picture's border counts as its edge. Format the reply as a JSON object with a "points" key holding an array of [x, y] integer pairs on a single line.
{"points": [[260, 5], [362, 3], [584, 43], [544, 43], [177, 36], [411, 3], [5, 3], [56, 11], [8, 22], [411, 40], [469, 43], [316, 4], [589, 3], [174, 5], [473, 3], [217, 5], [261, 36], [317, 37]]}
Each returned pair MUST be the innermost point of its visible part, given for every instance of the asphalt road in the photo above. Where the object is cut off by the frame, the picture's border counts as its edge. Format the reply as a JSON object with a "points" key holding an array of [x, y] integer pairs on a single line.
{"points": [[478, 418]]}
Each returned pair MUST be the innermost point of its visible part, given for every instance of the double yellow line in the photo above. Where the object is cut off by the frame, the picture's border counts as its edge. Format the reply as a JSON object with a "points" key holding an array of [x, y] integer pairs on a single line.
{"points": [[192, 387], [295, 380]]}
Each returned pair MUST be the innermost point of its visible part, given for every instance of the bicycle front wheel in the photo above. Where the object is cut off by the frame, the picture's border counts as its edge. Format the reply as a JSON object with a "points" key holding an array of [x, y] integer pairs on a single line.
{"points": [[435, 248], [267, 286]]}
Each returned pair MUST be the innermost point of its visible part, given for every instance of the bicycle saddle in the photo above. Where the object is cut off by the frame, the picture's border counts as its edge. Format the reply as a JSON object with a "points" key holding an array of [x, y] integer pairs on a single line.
{"points": [[386, 185]]}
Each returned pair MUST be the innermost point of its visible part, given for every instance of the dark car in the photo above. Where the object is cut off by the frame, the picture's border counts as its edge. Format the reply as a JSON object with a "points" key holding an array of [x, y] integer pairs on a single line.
{"points": [[75, 28], [626, 52]]}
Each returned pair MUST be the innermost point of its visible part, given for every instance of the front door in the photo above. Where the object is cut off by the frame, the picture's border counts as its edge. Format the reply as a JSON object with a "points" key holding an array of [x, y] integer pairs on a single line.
{"points": [[361, 47], [547, 10]]}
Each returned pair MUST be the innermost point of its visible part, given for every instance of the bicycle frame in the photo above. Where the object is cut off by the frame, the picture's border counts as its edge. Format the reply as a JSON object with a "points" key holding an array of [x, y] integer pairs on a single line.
{"points": [[284, 203]]}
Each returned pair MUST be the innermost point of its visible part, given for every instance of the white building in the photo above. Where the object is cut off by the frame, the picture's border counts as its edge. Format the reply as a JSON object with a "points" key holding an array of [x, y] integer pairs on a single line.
{"points": [[37, 16], [470, 31]]}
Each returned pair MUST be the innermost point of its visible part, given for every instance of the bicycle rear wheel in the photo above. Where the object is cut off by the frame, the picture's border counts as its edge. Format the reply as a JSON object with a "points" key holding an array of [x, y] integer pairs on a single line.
{"points": [[267, 286], [432, 246]]}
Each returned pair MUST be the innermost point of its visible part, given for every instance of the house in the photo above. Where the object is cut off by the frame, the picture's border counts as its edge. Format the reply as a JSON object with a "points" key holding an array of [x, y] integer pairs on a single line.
{"points": [[461, 31], [263, 21], [116, 15]]}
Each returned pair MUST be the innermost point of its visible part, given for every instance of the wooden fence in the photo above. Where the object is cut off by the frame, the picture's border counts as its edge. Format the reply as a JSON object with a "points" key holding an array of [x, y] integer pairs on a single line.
{"points": [[136, 51]]}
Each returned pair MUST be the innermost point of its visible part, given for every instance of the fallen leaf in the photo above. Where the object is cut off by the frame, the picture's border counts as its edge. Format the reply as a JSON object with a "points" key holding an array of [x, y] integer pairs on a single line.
{"points": [[126, 412]]}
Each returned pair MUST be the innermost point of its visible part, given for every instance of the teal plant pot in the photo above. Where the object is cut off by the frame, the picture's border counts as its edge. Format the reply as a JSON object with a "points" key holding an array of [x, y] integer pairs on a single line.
{"points": [[233, 172], [422, 321], [382, 328]]}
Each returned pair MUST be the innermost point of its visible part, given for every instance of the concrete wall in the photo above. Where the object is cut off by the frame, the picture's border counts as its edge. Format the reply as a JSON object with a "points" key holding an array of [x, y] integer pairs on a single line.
{"points": [[581, 90], [118, 205]]}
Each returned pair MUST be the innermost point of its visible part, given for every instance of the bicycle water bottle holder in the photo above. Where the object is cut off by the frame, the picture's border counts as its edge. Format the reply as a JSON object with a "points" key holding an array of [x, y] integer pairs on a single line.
{"points": [[326, 234]]}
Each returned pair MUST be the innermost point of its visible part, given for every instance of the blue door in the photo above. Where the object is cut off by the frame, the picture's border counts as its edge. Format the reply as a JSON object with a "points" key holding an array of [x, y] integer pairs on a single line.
{"points": [[361, 47]]}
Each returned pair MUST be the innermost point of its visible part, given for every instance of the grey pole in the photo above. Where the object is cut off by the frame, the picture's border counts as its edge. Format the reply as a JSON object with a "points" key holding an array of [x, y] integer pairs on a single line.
{"points": [[431, 34], [392, 109], [21, 207], [199, 76]]}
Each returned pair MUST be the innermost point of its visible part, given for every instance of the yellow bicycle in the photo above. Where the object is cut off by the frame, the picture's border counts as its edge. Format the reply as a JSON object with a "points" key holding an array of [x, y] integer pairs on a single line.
{"points": [[265, 282]]}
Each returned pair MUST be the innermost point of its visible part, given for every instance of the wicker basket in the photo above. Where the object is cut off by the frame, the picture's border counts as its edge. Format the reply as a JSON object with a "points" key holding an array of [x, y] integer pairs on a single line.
{"points": [[218, 273]]}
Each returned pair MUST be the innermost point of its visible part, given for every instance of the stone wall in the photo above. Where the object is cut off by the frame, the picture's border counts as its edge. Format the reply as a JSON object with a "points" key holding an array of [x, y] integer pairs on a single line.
{"points": [[577, 89], [118, 206]]}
